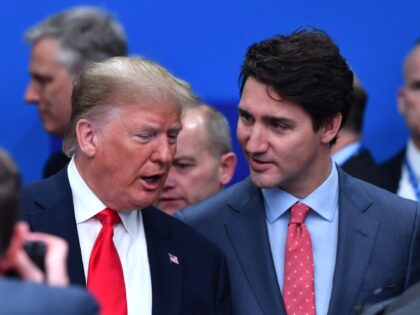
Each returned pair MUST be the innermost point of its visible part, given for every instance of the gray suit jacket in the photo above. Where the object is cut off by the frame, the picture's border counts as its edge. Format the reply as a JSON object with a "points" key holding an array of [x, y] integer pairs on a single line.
{"points": [[378, 245], [26, 298]]}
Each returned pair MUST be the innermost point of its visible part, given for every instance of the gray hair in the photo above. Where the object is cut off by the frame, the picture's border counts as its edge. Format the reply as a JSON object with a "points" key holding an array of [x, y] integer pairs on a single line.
{"points": [[119, 81], [217, 127], [85, 34]]}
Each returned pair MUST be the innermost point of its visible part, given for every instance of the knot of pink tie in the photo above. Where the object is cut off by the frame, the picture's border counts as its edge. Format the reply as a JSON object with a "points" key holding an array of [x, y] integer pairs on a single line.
{"points": [[298, 213]]}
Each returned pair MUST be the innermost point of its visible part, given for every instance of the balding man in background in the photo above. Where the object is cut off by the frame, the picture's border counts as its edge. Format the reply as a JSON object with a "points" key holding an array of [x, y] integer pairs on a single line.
{"points": [[61, 47], [204, 162], [403, 169]]}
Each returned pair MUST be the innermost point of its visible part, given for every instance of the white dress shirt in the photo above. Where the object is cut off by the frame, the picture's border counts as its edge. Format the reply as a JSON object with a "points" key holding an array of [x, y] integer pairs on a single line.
{"points": [[129, 239], [322, 224], [405, 188]]}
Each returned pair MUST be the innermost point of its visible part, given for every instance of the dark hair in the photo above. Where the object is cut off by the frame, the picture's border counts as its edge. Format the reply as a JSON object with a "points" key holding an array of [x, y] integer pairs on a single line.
{"points": [[305, 68], [357, 112], [9, 199]]}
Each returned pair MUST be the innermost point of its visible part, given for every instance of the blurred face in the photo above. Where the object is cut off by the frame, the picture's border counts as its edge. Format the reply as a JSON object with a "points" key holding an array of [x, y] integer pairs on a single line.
{"points": [[279, 142], [126, 156], [409, 95], [195, 173], [50, 86]]}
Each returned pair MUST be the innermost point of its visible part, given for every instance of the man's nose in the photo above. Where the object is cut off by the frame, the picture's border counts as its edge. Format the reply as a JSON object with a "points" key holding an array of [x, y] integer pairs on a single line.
{"points": [[32, 95]]}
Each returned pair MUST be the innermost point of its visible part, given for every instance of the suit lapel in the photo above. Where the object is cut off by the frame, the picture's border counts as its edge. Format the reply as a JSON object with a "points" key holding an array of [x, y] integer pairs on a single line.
{"points": [[247, 232], [55, 215], [166, 276], [356, 239]]}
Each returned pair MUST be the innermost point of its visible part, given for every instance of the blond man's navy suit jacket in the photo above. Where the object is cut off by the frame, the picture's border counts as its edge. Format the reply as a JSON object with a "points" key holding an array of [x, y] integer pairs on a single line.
{"points": [[198, 284]]}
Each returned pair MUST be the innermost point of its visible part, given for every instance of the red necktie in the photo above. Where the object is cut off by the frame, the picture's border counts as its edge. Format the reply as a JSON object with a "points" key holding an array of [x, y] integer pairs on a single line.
{"points": [[298, 291], [105, 274]]}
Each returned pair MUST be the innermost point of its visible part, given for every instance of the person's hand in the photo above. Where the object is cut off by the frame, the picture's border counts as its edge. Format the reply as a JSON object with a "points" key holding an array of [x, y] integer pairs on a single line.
{"points": [[55, 259]]}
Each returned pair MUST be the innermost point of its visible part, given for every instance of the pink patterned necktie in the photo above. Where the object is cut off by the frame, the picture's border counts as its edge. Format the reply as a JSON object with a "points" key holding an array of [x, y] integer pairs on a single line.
{"points": [[298, 291], [105, 274]]}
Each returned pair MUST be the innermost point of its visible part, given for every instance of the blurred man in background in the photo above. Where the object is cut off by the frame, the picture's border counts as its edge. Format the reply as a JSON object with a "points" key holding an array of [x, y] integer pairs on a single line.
{"points": [[24, 297], [403, 169], [204, 162], [61, 47]]}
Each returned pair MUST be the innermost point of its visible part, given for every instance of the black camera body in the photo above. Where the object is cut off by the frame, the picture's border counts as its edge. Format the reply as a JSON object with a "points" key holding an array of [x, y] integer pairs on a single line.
{"points": [[36, 252]]}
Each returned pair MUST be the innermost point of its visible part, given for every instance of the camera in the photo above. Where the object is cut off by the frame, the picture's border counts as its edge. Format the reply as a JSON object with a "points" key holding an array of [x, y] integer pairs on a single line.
{"points": [[36, 252]]}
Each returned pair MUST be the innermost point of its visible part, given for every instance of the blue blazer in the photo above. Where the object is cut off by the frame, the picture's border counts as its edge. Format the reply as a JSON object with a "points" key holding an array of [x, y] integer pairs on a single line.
{"points": [[378, 245], [198, 285], [26, 298]]}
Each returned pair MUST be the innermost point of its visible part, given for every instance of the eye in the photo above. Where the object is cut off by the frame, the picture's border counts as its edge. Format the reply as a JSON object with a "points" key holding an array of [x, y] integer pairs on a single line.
{"points": [[278, 125], [245, 117], [183, 166], [41, 80], [144, 137], [172, 136]]}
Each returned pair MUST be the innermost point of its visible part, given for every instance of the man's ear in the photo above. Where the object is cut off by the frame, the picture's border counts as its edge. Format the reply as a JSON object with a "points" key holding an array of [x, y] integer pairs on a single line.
{"points": [[331, 128], [87, 133], [227, 168], [401, 101], [7, 261]]}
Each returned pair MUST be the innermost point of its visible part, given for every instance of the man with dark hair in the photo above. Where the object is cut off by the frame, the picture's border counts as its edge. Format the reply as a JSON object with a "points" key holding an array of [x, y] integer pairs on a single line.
{"points": [[24, 297], [403, 169], [204, 161], [348, 151], [135, 259], [63, 45], [300, 235]]}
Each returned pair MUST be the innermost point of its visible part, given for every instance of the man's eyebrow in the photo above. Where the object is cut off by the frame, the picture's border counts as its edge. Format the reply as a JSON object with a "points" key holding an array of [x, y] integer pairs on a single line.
{"points": [[278, 120]]}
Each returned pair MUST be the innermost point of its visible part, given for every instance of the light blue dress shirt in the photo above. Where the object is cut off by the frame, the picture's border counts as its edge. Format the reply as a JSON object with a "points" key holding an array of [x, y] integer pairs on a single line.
{"points": [[344, 154], [322, 224]]}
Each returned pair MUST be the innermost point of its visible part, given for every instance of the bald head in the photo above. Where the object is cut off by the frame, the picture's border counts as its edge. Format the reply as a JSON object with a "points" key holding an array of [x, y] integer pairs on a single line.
{"points": [[409, 94], [411, 66], [204, 162]]}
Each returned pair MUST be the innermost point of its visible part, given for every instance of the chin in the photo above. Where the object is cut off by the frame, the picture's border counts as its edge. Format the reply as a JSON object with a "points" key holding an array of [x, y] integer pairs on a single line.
{"points": [[263, 182]]}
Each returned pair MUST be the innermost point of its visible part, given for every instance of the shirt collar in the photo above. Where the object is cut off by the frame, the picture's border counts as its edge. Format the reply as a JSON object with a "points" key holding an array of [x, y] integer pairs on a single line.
{"points": [[323, 200], [87, 204], [413, 156], [345, 153]]}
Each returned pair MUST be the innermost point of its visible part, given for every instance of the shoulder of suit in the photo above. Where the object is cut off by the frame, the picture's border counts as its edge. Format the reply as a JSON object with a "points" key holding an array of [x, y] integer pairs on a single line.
{"points": [[219, 206], [38, 298]]}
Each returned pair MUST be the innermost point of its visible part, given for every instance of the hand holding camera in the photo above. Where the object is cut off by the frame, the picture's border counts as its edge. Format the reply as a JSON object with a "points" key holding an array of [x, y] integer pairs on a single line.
{"points": [[40, 250]]}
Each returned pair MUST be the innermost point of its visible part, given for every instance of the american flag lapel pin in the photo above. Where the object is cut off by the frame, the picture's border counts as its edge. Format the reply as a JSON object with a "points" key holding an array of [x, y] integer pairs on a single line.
{"points": [[173, 259]]}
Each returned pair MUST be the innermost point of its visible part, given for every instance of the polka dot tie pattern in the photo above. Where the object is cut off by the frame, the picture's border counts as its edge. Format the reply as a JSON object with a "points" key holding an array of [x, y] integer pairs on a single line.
{"points": [[105, 274], [298, 290]]}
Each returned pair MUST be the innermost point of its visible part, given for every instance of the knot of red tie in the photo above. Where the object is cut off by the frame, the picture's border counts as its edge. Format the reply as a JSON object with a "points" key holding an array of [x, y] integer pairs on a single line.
{"points": [[108, 216], [298, 213]]}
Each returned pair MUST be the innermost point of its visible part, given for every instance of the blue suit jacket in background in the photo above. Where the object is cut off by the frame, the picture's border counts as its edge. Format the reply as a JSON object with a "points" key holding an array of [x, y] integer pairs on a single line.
{"points": [[26, 298]]}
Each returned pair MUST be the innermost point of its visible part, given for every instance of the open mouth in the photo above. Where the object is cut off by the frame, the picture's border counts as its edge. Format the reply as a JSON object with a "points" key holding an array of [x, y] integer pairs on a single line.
{"points": [[151, 182], [151, 179]]}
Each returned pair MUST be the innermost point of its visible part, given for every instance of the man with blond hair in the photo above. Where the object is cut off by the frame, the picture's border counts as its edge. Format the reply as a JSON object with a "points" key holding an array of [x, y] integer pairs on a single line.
{"points": [[126, 117]]}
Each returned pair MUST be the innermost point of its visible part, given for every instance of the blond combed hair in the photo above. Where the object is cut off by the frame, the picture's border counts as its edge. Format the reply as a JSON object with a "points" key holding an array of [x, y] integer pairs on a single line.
{"points": [[120, 81]]}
